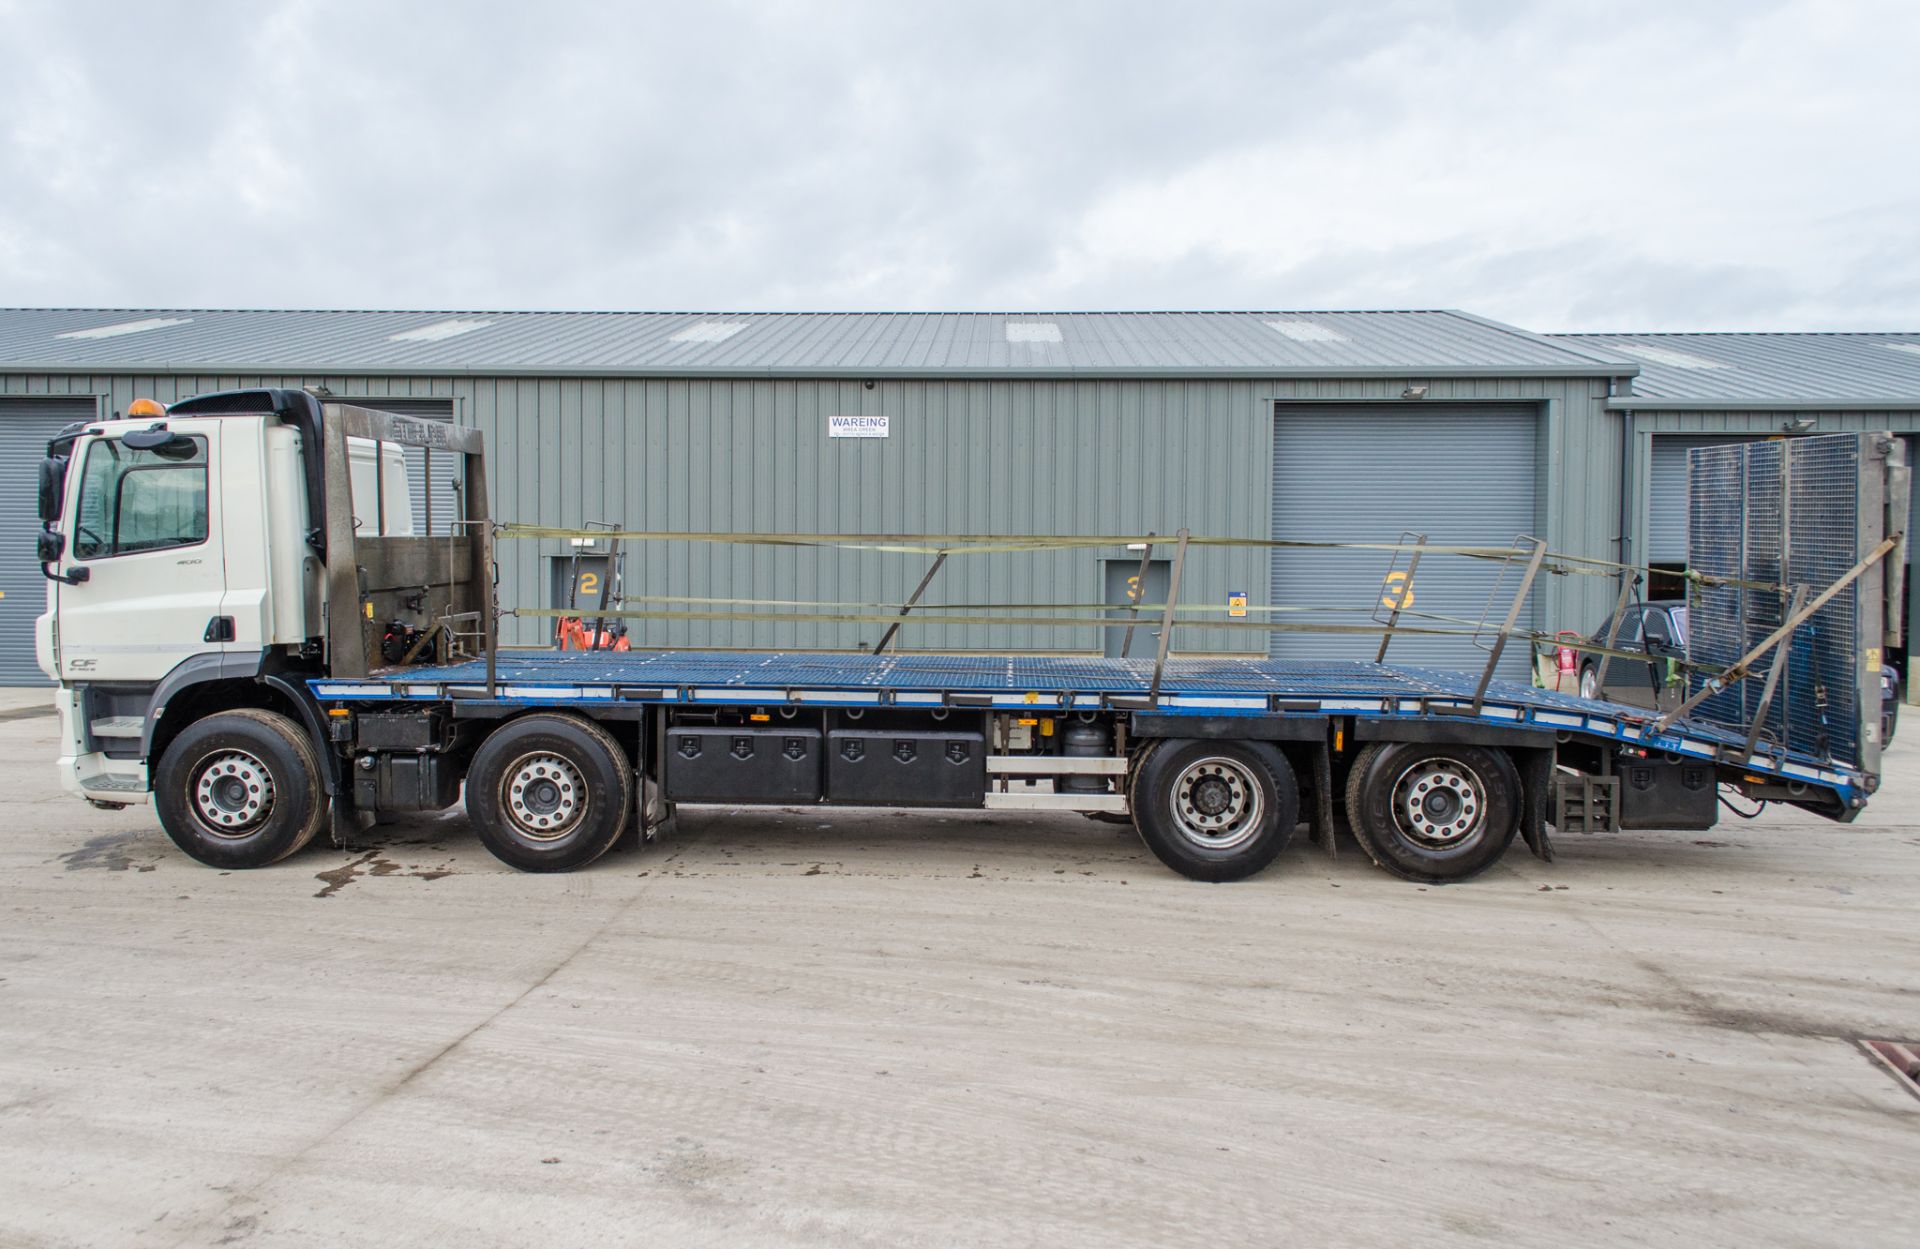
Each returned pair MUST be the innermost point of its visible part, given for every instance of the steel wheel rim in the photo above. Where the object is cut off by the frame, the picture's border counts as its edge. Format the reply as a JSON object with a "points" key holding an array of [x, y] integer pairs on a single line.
{"points": [[543, 796], [1440, 803], [232, 793], [1589, 687], [1216, 803]]}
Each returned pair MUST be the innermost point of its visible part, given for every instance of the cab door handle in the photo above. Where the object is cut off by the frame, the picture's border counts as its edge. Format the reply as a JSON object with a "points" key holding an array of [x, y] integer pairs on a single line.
{"points": [[219, 629]]}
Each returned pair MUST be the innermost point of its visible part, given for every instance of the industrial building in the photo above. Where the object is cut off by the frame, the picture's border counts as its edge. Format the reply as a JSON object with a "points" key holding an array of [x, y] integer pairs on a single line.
{"points": [[1305, 426], [1698, 390]]}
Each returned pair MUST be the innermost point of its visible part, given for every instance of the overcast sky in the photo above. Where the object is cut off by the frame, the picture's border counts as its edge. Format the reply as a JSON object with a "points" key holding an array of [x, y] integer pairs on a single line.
{"points": [[1680, 164]]}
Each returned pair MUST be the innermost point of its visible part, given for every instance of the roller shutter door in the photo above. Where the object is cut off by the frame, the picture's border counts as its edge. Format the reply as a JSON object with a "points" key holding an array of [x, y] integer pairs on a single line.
{"points": [[25, 426], [1464, 476], [1667, 497], [446, 466]]}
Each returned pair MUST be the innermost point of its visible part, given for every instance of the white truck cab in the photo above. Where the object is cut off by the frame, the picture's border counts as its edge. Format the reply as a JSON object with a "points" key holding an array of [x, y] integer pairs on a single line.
{"points": [[177, 551]]}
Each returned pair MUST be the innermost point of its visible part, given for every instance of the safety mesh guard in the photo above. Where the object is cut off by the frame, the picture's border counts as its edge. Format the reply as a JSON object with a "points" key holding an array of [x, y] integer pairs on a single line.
{"points": [[1785, 512]]}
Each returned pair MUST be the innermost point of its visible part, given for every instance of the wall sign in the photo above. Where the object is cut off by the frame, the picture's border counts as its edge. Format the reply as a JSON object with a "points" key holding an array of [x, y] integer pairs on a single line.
{"points": [[856, 427]]}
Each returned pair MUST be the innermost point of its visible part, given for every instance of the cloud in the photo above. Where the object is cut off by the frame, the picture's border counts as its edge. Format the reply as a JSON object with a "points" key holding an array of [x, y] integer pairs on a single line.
{"points": [[1576, 166]]}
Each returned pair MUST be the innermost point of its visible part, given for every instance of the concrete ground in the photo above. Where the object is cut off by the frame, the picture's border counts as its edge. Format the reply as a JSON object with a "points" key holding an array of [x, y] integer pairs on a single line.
{"points": [[905, 1030]]}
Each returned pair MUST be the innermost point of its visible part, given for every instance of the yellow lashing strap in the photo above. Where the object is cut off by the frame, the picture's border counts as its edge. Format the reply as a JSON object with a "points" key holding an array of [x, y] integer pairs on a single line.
{"points": [[983, 544]]}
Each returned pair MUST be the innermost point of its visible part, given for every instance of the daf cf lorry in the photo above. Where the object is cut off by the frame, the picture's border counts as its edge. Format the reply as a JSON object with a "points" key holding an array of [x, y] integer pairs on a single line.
{"points": [[247, 634]]}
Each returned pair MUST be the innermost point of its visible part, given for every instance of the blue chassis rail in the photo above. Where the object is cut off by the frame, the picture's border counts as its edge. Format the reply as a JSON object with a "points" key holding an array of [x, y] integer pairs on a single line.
{"points": [[1197, 687]]}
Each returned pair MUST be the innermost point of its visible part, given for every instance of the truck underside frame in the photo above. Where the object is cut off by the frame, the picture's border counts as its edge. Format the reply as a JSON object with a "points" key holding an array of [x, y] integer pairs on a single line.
{"points": [[1249, 697]]}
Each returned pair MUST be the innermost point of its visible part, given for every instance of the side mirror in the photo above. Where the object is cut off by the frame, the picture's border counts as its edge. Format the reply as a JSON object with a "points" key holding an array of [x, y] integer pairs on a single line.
{"points": [[53, 487], [52, 546]]}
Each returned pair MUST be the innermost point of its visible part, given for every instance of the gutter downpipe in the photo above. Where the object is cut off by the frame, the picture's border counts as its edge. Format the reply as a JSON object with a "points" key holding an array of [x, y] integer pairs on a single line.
{"points": [[1626, 489]]}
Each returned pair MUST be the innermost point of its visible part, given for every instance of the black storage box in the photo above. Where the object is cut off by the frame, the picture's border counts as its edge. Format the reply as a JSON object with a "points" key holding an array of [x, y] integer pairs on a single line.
{"points": [[716, 763], [398, 730], [412, 782], [907, 768], [1661, 793]]}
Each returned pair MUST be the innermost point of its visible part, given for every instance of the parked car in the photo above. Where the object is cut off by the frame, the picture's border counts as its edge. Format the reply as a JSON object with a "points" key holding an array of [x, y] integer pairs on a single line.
{"points": [[1889, 702], [1658, 631]]}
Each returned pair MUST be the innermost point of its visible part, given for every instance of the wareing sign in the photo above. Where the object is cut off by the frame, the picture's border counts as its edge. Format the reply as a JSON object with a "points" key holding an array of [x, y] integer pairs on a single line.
{"points": [[856, 427]]}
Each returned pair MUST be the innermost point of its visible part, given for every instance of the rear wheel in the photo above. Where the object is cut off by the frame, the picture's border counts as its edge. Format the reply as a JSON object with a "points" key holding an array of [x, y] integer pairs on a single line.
{"points": [[1433, 813], [549, 793], [240, 789], [1589, 683], [1214, 811]]}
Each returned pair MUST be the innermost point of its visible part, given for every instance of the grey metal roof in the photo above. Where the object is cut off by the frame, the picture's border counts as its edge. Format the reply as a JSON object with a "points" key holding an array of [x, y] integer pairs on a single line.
{"points": [[1766, 370], [864, 344]]}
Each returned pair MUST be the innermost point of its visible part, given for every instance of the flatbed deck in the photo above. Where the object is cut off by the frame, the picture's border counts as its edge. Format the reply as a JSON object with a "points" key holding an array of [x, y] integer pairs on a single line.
{"points": [[1189, 687]]}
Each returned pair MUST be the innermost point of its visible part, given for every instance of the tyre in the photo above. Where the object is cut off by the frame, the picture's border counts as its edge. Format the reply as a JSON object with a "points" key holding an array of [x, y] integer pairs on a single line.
{"points": [[1433, 813], [1214, 811], [1889, 721], [240, 789], [1589, 683], [549, 793]]}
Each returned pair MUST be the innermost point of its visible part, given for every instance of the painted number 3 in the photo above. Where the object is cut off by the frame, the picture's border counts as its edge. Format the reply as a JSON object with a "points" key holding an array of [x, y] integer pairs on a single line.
{"points": [[1395, 592]]}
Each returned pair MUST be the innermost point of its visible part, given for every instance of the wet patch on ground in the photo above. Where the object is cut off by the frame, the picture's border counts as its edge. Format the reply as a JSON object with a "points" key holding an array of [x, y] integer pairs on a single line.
{"points": [[115, 852], [373, 863]]}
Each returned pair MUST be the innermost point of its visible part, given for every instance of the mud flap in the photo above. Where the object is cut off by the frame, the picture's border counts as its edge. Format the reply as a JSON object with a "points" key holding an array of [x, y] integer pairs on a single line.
{"points": [[346, 822], [653, 815], [1320, 825], [1536, 784]]}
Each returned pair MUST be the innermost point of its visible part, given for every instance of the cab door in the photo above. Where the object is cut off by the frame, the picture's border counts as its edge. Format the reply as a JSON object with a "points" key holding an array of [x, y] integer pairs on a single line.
{"points": [[144, 568], [1662, 646]]}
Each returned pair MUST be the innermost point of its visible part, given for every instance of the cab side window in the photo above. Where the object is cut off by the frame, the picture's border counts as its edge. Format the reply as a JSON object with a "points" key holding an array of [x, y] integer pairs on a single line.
{"points": [[1630, 627], [1657, 630], [134, 500]]}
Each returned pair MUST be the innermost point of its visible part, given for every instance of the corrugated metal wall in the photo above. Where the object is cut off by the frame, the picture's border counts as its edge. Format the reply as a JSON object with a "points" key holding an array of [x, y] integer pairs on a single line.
{"points": [[974, 456]]}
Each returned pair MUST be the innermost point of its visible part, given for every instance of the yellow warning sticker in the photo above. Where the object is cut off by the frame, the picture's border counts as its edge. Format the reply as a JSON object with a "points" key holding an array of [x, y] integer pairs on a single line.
{"points": [[1237, 603]]}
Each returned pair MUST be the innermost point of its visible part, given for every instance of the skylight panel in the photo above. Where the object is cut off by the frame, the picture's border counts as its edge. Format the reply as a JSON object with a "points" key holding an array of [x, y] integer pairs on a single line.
{"points": [[438, 331], [1308, 331], [1912, 349], [1033, 332], [126, 327], [707, 332], [1669, 357]]}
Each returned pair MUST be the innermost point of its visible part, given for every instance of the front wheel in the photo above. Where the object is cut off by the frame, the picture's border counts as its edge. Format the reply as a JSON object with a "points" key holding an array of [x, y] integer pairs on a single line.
{"points": [[549, 793], [240, 789], [1215, 811], [1433, 813]]}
